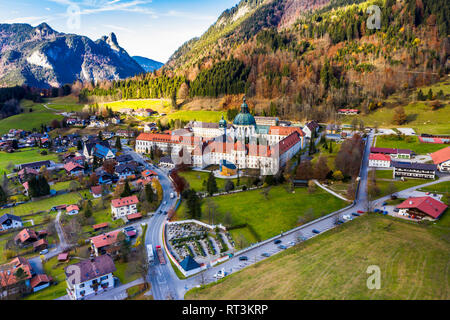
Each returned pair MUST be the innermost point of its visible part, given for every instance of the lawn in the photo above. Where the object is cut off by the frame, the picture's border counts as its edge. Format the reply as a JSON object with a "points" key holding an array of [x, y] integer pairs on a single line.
{"points": [[441, 187], [196, 178], [410, 142], [43, 205], [123, 274], [333, 265], [59, 186], [399, 185], [23, 156], [269, 217], [29, 120], [56, 270]]}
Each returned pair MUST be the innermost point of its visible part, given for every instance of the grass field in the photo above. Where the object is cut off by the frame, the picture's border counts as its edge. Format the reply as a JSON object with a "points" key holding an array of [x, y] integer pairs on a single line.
{"points": [[399, 185], [43, 205], [411, 143], [419, 114], [159, 105], [442, 187], [413, 262], [123, 274], [23, 156], [269, 217], [204, 116], [196, 178]]}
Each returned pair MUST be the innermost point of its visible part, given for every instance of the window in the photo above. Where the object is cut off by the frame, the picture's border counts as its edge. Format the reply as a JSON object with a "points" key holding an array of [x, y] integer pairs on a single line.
{"points": [[104, 278], [82, 285]]}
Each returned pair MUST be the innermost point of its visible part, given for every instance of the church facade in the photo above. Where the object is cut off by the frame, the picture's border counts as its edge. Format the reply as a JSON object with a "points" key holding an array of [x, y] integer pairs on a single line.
{"points": [[242, 143]]}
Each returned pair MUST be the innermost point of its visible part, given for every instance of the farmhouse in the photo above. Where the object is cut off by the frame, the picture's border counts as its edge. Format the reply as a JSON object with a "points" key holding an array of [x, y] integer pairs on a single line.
{"points": [[26, 236], [422, 207], [441, 158], [96, 191], [379, 160], [9, 221], [123, 207], [414, 170], [96, 275]]}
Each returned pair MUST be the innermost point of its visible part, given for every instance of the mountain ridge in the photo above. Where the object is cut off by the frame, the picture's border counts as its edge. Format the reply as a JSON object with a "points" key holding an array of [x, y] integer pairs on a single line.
{"points": [[38, 56]]}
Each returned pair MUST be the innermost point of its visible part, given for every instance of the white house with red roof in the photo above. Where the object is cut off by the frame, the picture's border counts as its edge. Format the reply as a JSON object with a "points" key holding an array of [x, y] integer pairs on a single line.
{"points": [[441, 158], [72, 209], [422, 208], [379, 160], [122, 207]]}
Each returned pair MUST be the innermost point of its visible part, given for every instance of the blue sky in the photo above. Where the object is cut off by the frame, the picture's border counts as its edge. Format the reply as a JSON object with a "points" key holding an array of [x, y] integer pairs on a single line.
{"points": [[150, 28]]}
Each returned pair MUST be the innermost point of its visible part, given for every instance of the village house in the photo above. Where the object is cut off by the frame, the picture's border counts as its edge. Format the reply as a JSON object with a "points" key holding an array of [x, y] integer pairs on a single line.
{"points": [[106, 243], [123, 206], [9, 221], [73, 168], [379, 160], [123, 171], [422, 208], [37, 165], [97, 191], [26, 237], [8, 280], [441, 158], [72, 210], [414, 170], [311, 127], [96, 275], [351, 112]]}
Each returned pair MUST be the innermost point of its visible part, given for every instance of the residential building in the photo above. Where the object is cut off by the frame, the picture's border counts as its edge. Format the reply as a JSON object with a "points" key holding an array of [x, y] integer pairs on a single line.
{"points": [[105, 243], [310, 128], [97, 191], [422, 208], [8, 280], [267, 121], [441, 158], [123, 207], [37, 165], [95, 275], [73, 168], [9, 221], [351, 112], [414, 170], [379, 160], [72, 209], [25, 237]]}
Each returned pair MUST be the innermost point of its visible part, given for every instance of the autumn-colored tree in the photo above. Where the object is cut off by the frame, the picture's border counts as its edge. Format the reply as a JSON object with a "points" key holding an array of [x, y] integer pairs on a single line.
{"points": [[304, 171], [399, 116], [321, 168]]}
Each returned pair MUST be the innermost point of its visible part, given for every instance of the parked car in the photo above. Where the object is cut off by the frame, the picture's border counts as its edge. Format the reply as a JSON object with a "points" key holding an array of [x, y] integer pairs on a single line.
{"points": [[396, 210], [265, 254], [376, 210], [355, 214], [292, 243], [339, 222], [360, 211], [384, 203], [277, 241], [315, 231], [282, 247], [45, 251], [243, 258]]}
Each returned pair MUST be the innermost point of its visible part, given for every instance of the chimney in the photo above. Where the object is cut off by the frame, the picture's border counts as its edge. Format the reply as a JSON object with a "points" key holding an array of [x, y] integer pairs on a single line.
{"points": [[410, 202]]}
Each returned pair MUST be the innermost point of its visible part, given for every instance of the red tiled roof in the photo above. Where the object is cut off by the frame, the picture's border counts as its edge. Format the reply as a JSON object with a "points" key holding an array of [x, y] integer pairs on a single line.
{"points": [[96, 189], [38, 279], [39, 243], [288, 142], [72, 207], [147, 173], [7, 271], [100, 225], [441, 155], [105, 239], [428, 205], [63, 256], [134, 216], [117, 203], [69, 166], [25, 234], [156, 137], [379, 156], [285, 131]]}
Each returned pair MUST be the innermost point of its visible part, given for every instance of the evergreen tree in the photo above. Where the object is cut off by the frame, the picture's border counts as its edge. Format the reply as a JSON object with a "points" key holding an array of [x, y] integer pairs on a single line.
{"points": [[79, 145], [149, 194], [211, 185], [126, 190], [3, 196], [118, 144]]}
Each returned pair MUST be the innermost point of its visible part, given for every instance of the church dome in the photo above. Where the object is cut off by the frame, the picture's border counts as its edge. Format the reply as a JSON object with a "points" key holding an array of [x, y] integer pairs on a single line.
{"points": [[222, 123], [244, 118]]}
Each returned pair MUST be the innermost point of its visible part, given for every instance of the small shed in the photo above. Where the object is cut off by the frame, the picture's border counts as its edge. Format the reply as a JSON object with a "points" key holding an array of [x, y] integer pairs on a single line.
{"points": [[63, 256]]}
